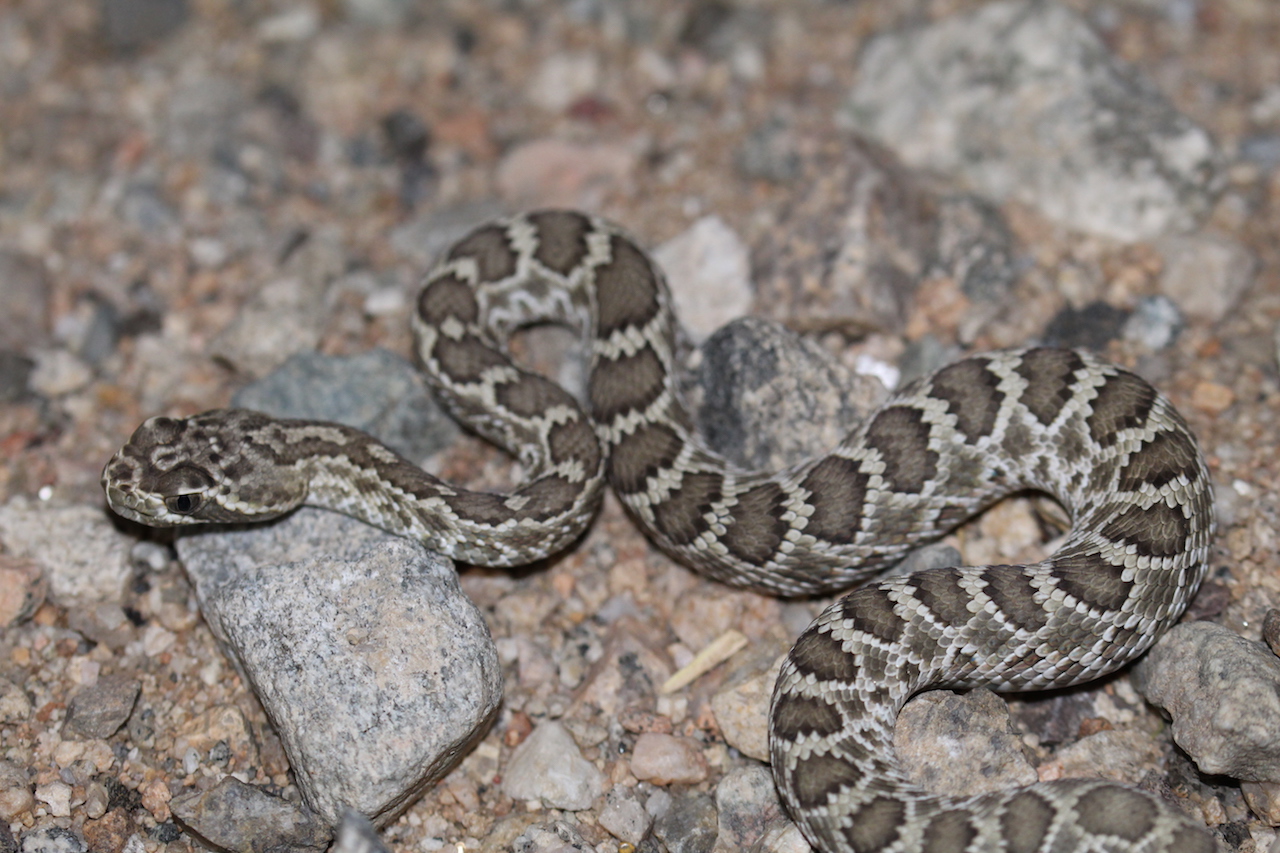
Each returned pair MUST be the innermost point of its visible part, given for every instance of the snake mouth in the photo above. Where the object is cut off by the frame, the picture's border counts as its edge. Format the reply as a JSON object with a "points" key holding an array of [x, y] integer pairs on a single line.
{"points": [[135, 507]]}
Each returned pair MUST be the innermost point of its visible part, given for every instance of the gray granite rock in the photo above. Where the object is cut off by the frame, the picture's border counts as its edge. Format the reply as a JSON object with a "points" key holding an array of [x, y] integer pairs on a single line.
{"points": [[961, 743], [690, 825], [284, 317], [1223, 694], [376, 391], [748, 806], [1023, 100], [862, 232], [771, 398], [375, 668], [84, 557]]}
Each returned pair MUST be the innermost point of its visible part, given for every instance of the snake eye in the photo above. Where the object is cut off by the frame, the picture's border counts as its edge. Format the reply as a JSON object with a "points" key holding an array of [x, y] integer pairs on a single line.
{"points": [[183, 504], [184, 489]]}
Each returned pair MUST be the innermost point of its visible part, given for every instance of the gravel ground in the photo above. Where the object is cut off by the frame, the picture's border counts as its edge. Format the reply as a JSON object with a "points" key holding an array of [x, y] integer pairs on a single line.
{"points": [[193, 192]]}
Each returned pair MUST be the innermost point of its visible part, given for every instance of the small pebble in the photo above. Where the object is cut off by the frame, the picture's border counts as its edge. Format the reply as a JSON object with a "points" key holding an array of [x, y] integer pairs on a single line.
{"points": [[23, 587], [1212, 398], [56, 796], [624, 816], [99, 711], [666, 759], [549, 767], [16, 796]]}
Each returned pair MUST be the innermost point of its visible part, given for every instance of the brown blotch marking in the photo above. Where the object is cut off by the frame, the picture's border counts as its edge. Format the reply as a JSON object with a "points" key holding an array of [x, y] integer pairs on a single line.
{"points": [[757, 526], [1049, 374], [838, 489], [940, 591], [531, 395], [972, 394], [642, 454], [562, 239], [1026, 821], [872, 610], [481, 507], [447, 296], [1161, 460], [680, 517], [819, 777], [489, 246], [1116, 811], [875, 825], [466, 359], [948, 832], [1013, 593], [821, 655], [1157, 531], [1124, 402], [901, 436], [1092, 580], [630, 383], [574, 440], [626, 289], [796, 716], [547, 497]]}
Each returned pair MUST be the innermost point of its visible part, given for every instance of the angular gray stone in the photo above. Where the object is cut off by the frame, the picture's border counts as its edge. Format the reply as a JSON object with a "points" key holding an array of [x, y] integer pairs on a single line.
{"points": [[748, 806], [357, 835], [376, 670], [1024, 100], [771, 397], [742, 705], [375, 391], [1223, 695], [961, 743], [99, 711], [236, 816], [713, 264], [549, 767], [624, 816], [689, 826], [130, 24]]}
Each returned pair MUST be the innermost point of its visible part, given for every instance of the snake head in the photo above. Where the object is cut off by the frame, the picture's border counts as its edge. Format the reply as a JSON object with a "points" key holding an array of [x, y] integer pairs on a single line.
{"points": [[210, 467]]}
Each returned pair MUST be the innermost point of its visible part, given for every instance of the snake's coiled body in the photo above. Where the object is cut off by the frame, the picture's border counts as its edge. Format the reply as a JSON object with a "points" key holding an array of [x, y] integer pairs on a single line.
{"points": [[1102, 441]]}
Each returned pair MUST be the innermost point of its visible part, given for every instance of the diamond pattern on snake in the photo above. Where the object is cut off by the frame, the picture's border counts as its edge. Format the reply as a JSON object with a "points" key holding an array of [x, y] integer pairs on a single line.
{"points": [[1100, 440]]}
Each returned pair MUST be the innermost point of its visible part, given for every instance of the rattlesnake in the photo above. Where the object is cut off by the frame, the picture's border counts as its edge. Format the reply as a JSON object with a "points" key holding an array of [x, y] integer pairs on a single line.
{"points": [[1112, 451]]}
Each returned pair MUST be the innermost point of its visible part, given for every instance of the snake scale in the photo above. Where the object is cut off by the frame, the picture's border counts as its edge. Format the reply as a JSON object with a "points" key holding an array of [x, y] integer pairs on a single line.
{"points": [[1100, 440]]}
